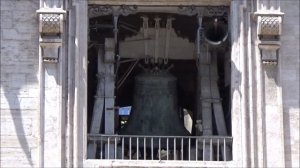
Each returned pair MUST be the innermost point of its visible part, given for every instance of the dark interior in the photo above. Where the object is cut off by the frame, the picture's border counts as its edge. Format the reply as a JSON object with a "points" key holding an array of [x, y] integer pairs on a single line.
{"points": [[184, 70]]}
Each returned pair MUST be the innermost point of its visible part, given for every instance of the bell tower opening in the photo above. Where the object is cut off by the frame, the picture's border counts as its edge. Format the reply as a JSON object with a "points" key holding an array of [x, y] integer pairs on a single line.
{"points": [[159, 83]]}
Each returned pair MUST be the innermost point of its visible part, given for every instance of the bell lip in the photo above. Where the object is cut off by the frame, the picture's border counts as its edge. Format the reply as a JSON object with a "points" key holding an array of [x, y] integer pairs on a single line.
{"points": [[216, 43]]}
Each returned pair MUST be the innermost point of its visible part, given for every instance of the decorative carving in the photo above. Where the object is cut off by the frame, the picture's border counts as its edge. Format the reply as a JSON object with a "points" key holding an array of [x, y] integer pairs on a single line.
{"points": [[50, 52], [269, 53], [51, 24], [216, 11], [188, 10], [95, 11], [51, 28], [127, 10], [205, 11], [269, 25]]}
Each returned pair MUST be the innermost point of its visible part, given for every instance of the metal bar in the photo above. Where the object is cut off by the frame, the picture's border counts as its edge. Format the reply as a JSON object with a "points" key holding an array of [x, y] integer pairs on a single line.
{"points": [[203, 150], [123, 148], [144, 148], [189, 148], [159, 149], [101, 149], [174, 149], [181, 151], [152, 148], [167, 148], [137, 148], [115, 147], [210, 150], [218, 150], [101, 136], [224, 149], [108, 151], [129, 148], [196, 149]]}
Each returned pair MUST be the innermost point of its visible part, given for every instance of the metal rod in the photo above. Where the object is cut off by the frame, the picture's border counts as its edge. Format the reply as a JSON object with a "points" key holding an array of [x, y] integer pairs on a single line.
{"points": [[100, 136], [167, 148], [174, 148], [130, 148], [189, 148], [152, 148], [204, 150], [108, 151], [210, 150], [196, 149], [123, 148], [218, 150], [224, 150], [137, 148], [115, 147], [101, 149], [159, 148], [144, 148], [181, 151]]}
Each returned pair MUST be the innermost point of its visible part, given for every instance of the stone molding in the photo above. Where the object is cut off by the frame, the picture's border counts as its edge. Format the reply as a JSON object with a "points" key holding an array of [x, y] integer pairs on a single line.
{"points": [[51, 24], [269, 28], [124, 10], [51, 29], [269, 52], [269, 25]]}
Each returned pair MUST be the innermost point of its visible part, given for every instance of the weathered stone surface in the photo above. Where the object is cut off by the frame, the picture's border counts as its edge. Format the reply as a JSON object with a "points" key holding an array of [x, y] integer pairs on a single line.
{"points": [[19, 83], [290, 81]]}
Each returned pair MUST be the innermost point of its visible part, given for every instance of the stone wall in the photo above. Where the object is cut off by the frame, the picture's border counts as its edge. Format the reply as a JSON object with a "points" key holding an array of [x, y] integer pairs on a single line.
{"points": [[289, 53], [19, 83]]}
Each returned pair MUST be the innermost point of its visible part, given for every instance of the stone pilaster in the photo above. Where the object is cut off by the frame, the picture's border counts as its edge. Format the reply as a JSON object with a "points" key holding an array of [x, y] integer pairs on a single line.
{"points": [[51, 26], [270, 118]]}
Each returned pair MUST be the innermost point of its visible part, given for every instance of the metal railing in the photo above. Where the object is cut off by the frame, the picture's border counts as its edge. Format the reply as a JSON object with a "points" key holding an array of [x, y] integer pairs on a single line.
{"points": [[191, 148]]}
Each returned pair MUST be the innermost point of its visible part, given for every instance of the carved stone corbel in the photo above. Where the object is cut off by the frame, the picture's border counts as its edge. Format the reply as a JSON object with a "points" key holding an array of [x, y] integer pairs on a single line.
{"points": [[269, 52], [51, 29], [269, 28]]}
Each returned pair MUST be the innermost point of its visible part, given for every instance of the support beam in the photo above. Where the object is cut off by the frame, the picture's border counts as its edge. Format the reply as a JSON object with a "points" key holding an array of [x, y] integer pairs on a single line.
{"points": [[98, 106], [159, 2]]}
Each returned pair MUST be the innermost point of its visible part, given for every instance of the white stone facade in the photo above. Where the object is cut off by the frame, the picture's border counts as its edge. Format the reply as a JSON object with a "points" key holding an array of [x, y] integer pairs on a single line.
{"points": [[43, 104]]}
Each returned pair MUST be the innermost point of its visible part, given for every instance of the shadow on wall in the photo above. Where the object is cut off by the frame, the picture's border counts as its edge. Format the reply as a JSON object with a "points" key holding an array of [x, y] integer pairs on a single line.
{"points": [[19, 97], [13, 99]]}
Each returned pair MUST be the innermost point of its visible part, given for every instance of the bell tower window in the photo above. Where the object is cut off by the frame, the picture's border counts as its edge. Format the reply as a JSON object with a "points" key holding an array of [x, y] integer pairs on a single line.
{"points": [[159, 83]]}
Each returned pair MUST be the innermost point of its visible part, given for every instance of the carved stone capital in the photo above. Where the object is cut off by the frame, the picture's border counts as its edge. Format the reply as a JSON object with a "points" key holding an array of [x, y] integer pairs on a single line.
{"points": [[269, 52], [269, 28], [50, 52], [269, 25], [51, 21], [51, 24], [50, 28]]}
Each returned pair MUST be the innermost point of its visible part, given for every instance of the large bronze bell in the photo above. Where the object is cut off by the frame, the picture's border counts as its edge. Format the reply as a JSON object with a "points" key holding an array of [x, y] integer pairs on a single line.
{"points": [[216, 32], [155, 111]]}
